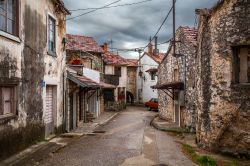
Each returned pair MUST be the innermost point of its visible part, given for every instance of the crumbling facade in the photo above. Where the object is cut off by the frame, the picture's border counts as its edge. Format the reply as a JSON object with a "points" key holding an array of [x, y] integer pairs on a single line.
{"points": [[176, 86], [131, 80], [31, 72], [223, 94]]}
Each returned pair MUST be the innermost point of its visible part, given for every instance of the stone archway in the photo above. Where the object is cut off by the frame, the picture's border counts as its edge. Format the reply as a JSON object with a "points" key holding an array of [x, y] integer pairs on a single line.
{"points": [[130, 98]]}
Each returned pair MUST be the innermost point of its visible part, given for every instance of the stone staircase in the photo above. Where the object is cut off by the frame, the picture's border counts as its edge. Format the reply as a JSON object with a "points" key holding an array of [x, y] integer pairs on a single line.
{"points": [[90, 117]]}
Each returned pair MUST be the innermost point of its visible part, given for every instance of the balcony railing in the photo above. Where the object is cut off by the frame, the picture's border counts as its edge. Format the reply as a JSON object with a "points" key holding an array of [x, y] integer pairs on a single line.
{"points": [[111, 79]]}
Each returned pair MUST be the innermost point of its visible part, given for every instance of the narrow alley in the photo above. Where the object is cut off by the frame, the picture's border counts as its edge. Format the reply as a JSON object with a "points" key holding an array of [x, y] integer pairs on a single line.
{"points": [[128, 139]]}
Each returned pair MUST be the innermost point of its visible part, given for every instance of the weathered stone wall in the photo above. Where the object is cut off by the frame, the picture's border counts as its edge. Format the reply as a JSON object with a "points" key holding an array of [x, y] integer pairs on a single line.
{"points": [[223, 105], [131, 80], [26, 56], [165, 71], [185, 65]]}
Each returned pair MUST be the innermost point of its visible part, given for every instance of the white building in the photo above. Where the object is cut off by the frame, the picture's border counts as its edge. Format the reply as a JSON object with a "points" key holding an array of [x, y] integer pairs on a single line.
{"points": [[147, 74]]}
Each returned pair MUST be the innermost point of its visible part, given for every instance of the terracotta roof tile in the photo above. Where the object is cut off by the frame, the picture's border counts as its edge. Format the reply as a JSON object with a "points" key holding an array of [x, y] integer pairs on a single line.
{"points": [[132, 62], [82, 43], [157, 58], [190, 35], [114, 59]]}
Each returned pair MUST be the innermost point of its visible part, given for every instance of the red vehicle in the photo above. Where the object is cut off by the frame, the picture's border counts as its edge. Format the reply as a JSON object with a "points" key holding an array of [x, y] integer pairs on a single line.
{"points": [[152, 104]]}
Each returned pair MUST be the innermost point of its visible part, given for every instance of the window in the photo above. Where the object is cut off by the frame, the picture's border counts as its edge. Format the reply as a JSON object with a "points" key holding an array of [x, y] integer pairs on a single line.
{"points": [[7, 101], [242, 64], [118, 71], [52, 35], [8, 16], [153, 75]]}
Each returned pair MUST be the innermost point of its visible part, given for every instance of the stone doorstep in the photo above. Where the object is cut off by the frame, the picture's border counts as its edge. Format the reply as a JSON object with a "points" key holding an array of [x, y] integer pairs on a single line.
{"points": [[162, 125]]}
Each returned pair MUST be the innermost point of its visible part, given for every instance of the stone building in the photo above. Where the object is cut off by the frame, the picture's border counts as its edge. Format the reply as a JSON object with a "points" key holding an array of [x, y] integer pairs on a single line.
{"points": [[147, 73], [223, 81], [32, 49], [131, 80], [115, 73], [84, 99], [176, 86]]}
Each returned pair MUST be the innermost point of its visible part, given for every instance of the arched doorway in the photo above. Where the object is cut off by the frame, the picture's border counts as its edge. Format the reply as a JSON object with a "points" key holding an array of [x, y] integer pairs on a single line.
{"points": [[130, 98]]}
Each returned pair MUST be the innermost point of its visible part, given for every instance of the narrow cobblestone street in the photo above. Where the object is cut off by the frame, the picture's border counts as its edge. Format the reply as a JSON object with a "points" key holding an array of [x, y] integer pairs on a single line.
{"points": [[128, 139]]}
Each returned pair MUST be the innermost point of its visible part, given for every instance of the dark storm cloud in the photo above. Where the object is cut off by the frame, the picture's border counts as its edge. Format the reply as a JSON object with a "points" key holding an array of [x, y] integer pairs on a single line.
{"points": [[131, 26]]}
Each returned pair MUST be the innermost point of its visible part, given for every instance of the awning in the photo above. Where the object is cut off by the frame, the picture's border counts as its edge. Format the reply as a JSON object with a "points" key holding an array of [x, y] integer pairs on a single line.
{"points": [[107, 86], [152, 70], [83, 81], [170, 85], [169, 88]]}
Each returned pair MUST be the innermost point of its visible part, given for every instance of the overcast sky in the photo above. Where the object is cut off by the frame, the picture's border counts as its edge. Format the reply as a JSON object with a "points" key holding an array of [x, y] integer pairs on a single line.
{"points": [[131, 26]]}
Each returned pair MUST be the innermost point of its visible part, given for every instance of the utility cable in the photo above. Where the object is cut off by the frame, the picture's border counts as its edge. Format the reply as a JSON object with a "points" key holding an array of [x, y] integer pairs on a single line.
{"points": [[165, 19], [71, 18], [128, 4]]}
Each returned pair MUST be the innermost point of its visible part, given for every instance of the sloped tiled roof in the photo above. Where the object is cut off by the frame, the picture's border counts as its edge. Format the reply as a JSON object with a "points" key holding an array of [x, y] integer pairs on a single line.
{"points": [[132, 62], [114, 59], [157, 58], [83, 81], [82, 43], [107, 86], [190, 34]]}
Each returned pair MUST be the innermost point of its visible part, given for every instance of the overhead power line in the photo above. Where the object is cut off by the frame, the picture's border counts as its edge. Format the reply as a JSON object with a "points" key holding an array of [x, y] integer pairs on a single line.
{"points": [[128, 4], [133, 49], [165, 19], [71, 18]]}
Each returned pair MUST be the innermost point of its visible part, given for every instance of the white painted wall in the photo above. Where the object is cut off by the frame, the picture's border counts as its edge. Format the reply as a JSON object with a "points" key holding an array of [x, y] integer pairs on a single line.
{"points": [[124, 77], [145, 85], [109, 70]]}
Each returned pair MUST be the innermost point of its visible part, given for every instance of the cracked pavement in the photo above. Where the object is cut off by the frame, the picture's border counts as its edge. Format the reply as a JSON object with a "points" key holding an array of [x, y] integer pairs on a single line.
{"points": [[127, 140]]}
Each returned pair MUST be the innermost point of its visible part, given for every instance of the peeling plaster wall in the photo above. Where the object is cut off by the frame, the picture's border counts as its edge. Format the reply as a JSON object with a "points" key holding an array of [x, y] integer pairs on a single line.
{"points": [[28, 54], [131, 80], [223, 106]]}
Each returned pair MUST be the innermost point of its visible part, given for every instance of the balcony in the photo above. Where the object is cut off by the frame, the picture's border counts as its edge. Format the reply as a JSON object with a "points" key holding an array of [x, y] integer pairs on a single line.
{"points": [[111, 79]]}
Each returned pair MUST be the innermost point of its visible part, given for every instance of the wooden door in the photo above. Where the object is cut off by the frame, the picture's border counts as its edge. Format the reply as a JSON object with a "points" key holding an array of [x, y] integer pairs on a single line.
{"points": [[7, 100]]}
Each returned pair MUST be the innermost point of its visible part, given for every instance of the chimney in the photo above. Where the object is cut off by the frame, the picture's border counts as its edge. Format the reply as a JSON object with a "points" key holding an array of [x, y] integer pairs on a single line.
{"points": [[150, 47], [156, 50], [105, 47]]}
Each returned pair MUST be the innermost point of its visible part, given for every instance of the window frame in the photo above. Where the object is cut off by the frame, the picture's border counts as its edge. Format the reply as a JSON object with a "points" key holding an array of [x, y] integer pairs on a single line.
{"points": [[236, 64], [16, 19], [14, 111], [153, 76], [53, 19]]}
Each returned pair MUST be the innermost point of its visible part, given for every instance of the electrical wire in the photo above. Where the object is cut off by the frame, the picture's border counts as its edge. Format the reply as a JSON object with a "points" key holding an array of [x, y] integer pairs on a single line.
{"points": [[74, 17], [128, 4], [165, 19]]}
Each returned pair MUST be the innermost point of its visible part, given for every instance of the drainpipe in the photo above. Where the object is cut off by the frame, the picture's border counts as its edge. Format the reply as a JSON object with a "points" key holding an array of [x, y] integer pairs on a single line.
{"points": [[64, 105]]}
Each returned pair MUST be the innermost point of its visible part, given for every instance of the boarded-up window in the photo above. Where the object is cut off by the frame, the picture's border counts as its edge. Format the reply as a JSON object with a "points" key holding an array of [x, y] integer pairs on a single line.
{"points": [[7, 101]]}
